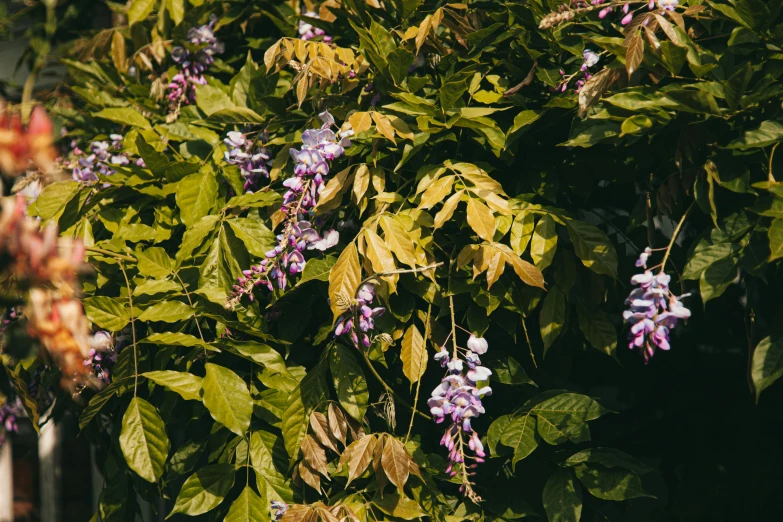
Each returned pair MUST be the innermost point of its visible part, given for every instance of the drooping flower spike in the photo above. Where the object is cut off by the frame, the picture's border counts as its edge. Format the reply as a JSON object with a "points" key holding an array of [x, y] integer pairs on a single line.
{"points": [[653, 310], [193, 65], [311, 166], [358, 322], [458, 399]]}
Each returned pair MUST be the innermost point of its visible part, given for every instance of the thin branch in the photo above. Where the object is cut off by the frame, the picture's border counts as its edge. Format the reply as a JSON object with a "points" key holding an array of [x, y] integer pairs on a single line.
{"points": [[527, 338], [393, 272], [524, 83], [418, 382], [133, 331], [110, 254], [389, 388], [770, 177], [674, 237], [187, 294]]}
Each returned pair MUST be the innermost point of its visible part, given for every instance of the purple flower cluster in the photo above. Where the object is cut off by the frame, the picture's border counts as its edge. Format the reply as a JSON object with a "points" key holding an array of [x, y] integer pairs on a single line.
{"points": [[653, 310], [280, 509], [100, 159], [589, 59], [319, 147], [458, 398], [102, 356], [667, 5], [193, 64], [308, 31], [253, 162], [9, 412], [359, 319]]}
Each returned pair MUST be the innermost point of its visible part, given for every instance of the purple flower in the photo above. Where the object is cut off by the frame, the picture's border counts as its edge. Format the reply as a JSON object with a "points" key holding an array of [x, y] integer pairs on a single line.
{"points": [[477, 345], [668, 5], [590, 59], [652, 310]]}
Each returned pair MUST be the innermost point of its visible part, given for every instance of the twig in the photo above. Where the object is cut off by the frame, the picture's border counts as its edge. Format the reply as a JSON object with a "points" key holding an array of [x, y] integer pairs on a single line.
{"points": [[393, 272], [674, 237], [524, 83], [133, 331], [770, 177], [110, 254], [527, 338], [187, 294], [389, 388]]}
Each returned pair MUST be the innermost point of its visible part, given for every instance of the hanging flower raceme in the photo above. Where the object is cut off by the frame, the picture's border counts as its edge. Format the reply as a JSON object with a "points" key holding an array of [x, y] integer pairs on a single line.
{"points": [[100, 159], [102, 356], [653, 310], [279, 509], [308, 31], [193, 64], [458, 400], [311, 166], [24, 147], [589, 59], [251, 156], [358, 322]]}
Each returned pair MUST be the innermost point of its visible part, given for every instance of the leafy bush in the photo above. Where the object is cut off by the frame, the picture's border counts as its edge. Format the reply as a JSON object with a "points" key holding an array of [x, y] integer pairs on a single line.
{"points": [[256, 192]]}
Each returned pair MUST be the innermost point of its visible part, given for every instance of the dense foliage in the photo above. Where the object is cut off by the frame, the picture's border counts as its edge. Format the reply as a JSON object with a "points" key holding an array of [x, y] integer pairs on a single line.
{"points": [[370, 259]]}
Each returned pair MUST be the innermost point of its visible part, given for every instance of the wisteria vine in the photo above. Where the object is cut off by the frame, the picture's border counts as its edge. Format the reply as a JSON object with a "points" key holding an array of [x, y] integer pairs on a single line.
{"points": [[193, 63]]}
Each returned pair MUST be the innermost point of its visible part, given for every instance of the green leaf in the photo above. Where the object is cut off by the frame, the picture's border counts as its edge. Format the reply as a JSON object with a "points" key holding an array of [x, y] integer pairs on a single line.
{"points": [[187, 385], [167, 312], [176, 9], [562, 497], [382, 39], [258, 239], [195, 235], [349, 382], [737, 84], [543, 243], [400, 61], [767, 365], [275, 374], [524, 119], [552, 317], [156, 286], [211, 99], [255, 200], [593, 247], [705, 257], [227, 398], [511, 372], [204, 490], [520, 436], [53, 198], [124, 116], [196, 196], [564, 417], [143, 440], [100, 399], [154, 262], [224, 263], [609, 458], [775, 234], [399, 506], [598, 329], [107, 312], [248, 507], [310, 392], [138, 10], [717, 278], [177, 339], [450, 92], [768, 133], [317, 269], [271, 483], [610, 484]]}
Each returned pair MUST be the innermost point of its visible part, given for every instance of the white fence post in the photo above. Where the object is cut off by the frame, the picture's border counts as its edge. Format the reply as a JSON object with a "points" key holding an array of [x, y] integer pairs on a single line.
{"points": [[6, 482], [50, 471]]}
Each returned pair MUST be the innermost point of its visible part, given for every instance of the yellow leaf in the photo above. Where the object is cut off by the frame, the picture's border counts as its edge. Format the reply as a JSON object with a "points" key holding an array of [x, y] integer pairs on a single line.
{"points": [[360, 121], [344, 279], [358, 456], [361, 181], [494, 201], [411, 32], [413, 355], [428, 177], [495, 263], [423, 31], [400, 127], [521, 231], [436, 192], [118, 55], [398, 239], [480, 219], [380, 258], [331, 196], [302, 86], [326, 14], [528, 273], [465, 255], [544, 242], [383, 126], [448, 209]]}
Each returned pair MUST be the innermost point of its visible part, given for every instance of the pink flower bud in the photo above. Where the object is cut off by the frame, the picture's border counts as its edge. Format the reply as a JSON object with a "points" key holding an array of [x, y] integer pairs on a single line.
{"points": [[627, 19]]}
